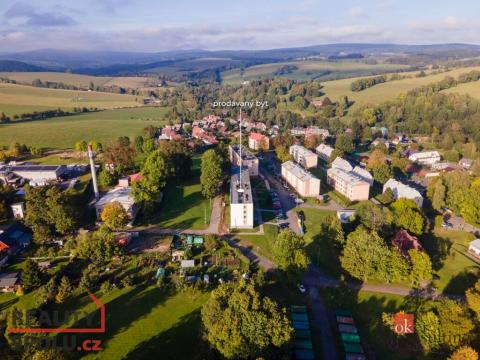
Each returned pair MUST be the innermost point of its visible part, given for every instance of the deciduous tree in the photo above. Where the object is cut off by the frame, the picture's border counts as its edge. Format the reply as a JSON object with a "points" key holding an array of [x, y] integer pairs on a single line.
{"points": [[114, 215], [240, 323]]}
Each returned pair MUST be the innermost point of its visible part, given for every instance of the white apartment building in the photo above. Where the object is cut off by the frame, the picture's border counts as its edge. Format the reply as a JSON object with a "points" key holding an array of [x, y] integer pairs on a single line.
{"points": [[241, 201], [300, 179], [403, 191], [348, 183], [425, 157], [303, 156], [324, 151]]}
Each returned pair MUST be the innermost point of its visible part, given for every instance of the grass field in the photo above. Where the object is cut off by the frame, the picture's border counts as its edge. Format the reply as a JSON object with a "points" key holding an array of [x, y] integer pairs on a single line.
{"points": [[154, 324], [183, 205], [382, 92], [310, 69], [77, 79], [456, 271], [63, 132], [20, 99]]}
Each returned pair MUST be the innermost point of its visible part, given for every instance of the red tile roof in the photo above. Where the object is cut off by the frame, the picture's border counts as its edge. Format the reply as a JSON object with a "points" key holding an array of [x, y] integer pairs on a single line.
{"points": [[256, 136], [404, 242]]}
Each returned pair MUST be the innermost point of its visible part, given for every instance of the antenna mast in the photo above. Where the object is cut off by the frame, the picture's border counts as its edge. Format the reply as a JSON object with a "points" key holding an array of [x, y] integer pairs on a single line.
{"points": [[241, 159]]}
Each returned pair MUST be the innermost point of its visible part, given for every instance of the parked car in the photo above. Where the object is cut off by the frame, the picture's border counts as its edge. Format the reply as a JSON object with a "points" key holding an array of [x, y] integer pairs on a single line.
{"points": [[301, 288]]}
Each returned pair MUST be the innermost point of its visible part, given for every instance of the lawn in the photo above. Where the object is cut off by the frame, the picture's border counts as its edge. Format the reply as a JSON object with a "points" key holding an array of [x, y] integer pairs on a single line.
{"points": [[387, 91], [154, 324], [319, 250], [64, 132], [310, 69], [456, 271], [20, 99], [183, 205], [262, 244]]}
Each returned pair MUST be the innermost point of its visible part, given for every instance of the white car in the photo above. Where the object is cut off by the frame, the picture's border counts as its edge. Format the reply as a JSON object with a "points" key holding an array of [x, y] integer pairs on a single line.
{"points": [[301, 288]]}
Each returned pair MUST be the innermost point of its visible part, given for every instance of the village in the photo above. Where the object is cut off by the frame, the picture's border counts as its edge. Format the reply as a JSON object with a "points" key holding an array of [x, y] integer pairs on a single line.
{"points": [[272, 182]]}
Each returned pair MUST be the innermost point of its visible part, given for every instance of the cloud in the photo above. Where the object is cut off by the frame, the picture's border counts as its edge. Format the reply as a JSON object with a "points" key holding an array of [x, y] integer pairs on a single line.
{"points": [[35, 18], [111, 5], [356, 12]]}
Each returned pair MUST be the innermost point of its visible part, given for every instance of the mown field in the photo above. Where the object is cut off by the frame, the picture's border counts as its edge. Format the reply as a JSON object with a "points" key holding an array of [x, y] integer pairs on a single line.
{"points": [[63, 132], [310, 69], [77, 79], [20, 99], [382, 92]]}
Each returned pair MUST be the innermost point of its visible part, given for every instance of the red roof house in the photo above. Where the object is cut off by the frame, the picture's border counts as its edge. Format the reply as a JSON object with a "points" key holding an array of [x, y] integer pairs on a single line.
{"points": [[405, 242]]}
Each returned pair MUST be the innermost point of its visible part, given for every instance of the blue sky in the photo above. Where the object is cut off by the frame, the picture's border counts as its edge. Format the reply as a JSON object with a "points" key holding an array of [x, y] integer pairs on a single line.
{"points": [[159, 25]]}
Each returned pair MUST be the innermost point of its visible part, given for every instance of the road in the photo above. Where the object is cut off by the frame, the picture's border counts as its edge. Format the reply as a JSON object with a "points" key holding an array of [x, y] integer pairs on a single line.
{"points": [[288, 204]]}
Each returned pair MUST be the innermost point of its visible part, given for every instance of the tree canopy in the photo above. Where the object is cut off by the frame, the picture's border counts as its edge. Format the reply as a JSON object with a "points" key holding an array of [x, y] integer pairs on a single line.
{"points": [[241, 323]]}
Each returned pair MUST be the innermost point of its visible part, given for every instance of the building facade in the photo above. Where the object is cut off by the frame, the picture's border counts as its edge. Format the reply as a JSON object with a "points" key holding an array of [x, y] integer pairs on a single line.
{"points": [[303, 156], [241, 201], [300, 179], [425, 157], [324, 151], [349, 184], [258, 141]]}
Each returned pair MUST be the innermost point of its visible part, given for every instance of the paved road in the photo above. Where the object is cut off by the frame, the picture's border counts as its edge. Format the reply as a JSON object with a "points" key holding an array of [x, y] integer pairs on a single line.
{"points": [[320, 323], [288, 204], [315, 277], [459, 223]]}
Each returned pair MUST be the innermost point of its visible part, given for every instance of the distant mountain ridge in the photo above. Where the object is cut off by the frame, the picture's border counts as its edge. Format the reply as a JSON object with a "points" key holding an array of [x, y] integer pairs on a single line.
{"points": [[18, 66], [118, 63]]}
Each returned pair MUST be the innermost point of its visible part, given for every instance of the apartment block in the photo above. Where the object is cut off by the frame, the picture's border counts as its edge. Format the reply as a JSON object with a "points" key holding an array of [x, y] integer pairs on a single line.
{"points": [[300, 179], [303, 156], [349, 184], [248, 161], [241, 201]]}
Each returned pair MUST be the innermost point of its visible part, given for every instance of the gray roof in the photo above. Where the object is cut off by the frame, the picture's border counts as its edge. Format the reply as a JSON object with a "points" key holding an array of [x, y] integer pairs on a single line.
{"points": [[237, 197], [475, 243], [8, 280], [297, 171]]}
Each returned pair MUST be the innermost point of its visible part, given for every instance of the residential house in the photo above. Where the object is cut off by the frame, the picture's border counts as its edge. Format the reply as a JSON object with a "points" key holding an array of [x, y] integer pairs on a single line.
{"points": [[258, 141], [405, 242], [201, 134], [122, 195], [303, 156], [300, 179], [9, 282], [14, 238], [403, 191], [466, 163], [474, 248], [425, 157], [185, 264], [248, 160], [324, 151], [322, 102]]}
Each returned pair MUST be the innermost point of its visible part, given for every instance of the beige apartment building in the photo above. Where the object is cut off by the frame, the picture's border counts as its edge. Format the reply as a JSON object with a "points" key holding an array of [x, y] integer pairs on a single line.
{"points": [[303, 156], [300, 179], [349, 184]]}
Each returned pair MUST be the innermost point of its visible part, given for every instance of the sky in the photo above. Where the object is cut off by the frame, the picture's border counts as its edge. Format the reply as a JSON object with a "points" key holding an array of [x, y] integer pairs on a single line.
{"points": [[162, 25]]}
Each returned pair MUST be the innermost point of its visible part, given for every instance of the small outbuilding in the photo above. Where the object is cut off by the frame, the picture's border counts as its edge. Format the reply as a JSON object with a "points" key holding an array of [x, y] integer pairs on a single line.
{"points": [[474, 248]]}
